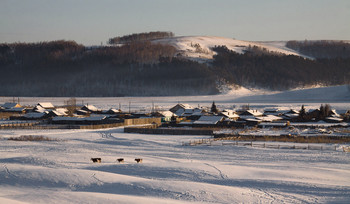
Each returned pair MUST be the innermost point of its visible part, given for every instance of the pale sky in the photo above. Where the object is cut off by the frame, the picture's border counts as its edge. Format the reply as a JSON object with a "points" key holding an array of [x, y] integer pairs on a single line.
{"points": [[91, 22]]}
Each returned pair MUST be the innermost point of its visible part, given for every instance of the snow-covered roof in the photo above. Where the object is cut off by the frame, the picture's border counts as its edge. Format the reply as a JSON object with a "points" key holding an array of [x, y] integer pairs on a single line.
{"points": [[167, 113], [63, 111], [60, 112], [46, 105], [39, 109], [251, 112], [271, 110], [335, 119], [11, 105], [269, 118], [291, 115], [113, 110], [229, 114], [180, 106], [208, 119], [90, 108], [188, 112]]}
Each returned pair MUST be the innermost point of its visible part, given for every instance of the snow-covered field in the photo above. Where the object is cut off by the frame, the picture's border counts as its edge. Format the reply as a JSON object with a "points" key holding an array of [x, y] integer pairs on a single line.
{"points": [[337, 96], [61, 171]]}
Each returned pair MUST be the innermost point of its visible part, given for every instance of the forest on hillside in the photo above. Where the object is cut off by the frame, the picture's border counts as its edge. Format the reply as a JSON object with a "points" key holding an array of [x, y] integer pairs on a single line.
{"points": [[321, 49], [279, 72], [65, 68], [143, 68]]}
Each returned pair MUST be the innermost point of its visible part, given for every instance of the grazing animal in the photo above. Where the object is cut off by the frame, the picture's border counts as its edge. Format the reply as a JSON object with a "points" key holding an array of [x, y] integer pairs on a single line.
{"points": [[96, 160], [120, 160], [138, 160]]}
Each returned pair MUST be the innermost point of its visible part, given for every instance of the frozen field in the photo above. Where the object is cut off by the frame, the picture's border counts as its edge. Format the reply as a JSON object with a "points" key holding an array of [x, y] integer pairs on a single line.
{"points": [[61, 171], [337, 96]]}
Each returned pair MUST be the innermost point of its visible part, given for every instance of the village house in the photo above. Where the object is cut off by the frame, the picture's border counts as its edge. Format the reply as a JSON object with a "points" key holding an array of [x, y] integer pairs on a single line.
{"points": [[165, 115], [11, 105], [180, 106], [230, 114], [250, 114], [91, 109], [208, 120], [46, 105]]}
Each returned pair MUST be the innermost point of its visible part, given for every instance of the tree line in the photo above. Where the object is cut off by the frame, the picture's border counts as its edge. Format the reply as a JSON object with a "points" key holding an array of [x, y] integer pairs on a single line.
{"points": [[328, 49], [65, 68], [137, 37], [278, 72]]}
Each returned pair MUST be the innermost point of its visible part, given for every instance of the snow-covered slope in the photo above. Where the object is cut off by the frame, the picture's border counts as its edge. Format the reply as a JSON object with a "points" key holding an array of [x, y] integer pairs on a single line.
{"points": [[320, 94], [199, 47]]}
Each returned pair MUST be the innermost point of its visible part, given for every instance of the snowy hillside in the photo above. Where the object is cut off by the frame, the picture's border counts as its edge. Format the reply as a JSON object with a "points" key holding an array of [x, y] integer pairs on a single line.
{"points": [[199, 47]]}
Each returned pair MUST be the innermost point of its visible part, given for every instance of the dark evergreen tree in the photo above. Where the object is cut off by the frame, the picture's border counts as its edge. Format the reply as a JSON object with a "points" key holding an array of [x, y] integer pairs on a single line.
{"points": [[213, 108], [302, 113]]}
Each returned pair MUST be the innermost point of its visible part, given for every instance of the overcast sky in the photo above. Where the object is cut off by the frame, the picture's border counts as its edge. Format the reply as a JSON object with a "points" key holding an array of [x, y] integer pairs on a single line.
{"points": [[92, 22]]}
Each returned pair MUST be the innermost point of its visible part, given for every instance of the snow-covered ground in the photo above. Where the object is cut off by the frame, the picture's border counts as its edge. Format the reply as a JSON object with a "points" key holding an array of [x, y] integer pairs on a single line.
{"points": [[199, 47], [61, 171]]}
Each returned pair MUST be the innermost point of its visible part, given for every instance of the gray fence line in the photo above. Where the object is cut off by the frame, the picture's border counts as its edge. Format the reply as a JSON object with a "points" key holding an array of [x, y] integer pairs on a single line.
{"points": [[209, 142]]}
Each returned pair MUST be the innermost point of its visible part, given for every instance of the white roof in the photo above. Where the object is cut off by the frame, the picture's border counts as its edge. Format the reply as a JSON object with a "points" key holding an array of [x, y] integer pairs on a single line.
{"points": [[271, 109], [91, 107], [39, 109], [63, 111], [46, 105], [230, 114], [334, 119], [269, 118], [167, 113], [253, 112]]}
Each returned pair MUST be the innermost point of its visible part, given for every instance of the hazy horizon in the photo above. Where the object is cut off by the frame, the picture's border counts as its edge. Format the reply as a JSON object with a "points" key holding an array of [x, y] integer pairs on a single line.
{"points": [[93, 22]]}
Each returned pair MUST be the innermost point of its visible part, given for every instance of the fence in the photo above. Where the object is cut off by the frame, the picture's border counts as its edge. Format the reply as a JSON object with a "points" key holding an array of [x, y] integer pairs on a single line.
{"points": [[167, 131], [287, 138], [19, 125], [142, 121], [44, 125], [212, 142]]}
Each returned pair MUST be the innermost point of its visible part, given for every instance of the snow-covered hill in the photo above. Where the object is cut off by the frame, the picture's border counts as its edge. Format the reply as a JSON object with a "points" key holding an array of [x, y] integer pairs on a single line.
{"points": [[199, 47]]}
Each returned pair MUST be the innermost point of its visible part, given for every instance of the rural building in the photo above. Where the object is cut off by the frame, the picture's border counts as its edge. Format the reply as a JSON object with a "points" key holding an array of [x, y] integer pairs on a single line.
{"points": [[91, 108], [46, 105], [165, 115], [11, 105], [180, 106], [209, 120], [231, 114]]}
